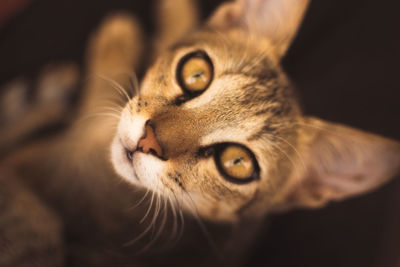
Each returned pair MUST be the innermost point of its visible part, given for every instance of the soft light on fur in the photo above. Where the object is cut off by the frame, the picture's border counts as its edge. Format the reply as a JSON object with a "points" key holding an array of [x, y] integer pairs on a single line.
{"points": [[70, 178], [250, 101]]}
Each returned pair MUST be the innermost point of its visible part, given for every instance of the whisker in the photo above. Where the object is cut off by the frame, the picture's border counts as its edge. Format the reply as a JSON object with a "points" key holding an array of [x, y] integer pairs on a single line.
{"points": [[260, 57], [110, 103], [163, 220], [141, 200], [111, 109], [157, 209], [202, 225], [244, 54], [181, 218], [149, 208], [318, 128], [175, 225], [96, 115], [129, 243], [284, 152], [287, 156], [294, 149], [134, 82], [116, 86], [147, 229]]}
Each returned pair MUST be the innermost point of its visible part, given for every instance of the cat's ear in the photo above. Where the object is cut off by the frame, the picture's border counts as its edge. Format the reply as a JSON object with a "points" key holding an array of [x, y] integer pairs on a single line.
{"points": [[336, 162], [275, 20]]}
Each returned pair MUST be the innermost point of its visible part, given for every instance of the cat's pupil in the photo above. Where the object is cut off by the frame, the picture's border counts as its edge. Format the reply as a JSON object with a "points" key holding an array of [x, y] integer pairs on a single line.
{"points": [[197, 78], [237, 161], [197, 75]]}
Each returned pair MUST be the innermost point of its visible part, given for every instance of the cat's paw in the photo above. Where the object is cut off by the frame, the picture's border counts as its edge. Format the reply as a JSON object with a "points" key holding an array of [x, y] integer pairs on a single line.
{"points": [[13, 101], [117, 46], [57, 85], [27, 107]]}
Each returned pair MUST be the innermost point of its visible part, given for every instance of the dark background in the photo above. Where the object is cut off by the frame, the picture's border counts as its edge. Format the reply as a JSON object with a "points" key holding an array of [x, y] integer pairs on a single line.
{"points": [[345, 63]]}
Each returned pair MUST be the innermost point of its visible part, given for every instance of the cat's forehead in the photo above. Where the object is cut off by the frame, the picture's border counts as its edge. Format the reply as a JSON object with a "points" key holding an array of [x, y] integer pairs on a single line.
{"points": [[247, 82], [229, 51], [237, 58]]}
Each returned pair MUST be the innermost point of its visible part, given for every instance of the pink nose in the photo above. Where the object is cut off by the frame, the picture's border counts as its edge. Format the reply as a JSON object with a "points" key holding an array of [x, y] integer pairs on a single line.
{"points": [[149, 144]]}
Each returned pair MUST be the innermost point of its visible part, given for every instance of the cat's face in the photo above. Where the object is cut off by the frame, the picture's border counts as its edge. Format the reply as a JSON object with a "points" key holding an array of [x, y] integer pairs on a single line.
{"points": [[217, 128], [220, 134]]}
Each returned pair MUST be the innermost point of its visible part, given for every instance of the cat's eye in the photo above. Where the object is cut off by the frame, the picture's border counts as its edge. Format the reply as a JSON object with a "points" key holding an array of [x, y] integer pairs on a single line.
{"points": [[236, 163], [195, 73]]}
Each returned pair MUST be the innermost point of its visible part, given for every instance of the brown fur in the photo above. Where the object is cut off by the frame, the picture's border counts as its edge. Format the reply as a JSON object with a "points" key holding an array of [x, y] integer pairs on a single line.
{"points": [[303, 161]]}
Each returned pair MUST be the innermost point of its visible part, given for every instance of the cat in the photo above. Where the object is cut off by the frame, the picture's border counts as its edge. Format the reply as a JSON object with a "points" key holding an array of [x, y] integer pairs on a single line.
{"points": [[212, 141]]}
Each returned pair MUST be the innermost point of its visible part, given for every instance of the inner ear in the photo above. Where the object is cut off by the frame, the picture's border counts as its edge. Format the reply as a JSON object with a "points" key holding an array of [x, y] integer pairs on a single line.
{"points": [[338, 162], [275, 20]]}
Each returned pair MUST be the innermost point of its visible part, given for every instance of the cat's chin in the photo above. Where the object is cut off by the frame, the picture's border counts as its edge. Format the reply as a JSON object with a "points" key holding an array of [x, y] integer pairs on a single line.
{"points": [[142, 170]]}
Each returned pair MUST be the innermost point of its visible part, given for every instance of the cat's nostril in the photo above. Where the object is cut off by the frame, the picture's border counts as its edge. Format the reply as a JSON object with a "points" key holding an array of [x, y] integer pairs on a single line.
{"points": [[149, 144], [153, 152], [129, 154]]}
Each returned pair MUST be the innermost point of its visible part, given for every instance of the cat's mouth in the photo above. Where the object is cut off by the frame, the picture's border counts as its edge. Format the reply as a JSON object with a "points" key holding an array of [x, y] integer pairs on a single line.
{"points": [[137, 167], [129, 157], [130, 154]]}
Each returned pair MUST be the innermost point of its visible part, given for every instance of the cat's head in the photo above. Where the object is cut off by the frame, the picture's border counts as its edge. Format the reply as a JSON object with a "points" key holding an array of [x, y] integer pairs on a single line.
{"points": [[217, 126]]}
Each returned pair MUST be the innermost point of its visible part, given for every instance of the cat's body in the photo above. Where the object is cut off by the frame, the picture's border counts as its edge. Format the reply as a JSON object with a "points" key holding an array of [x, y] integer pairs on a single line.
{"points": [[92, 212], [90, 216]]}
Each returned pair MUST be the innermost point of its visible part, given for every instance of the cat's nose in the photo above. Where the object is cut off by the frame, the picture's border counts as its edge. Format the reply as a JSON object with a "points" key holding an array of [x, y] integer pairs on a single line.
{"points": [[149, 144]]}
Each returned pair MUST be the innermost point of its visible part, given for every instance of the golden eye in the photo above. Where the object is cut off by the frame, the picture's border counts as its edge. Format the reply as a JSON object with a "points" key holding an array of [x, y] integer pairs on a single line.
{"points": [[237, 163], [195, 73]]}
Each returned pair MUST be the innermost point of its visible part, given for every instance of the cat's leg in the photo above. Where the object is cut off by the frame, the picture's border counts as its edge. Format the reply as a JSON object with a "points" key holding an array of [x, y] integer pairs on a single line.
{"points": [[62, 167], [174, 19], [30, 233], [114, 53], [114, 56]]}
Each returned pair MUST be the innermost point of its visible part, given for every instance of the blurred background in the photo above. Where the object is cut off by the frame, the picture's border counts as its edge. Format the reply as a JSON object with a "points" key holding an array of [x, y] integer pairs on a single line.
{"points": [[345, 62]]}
